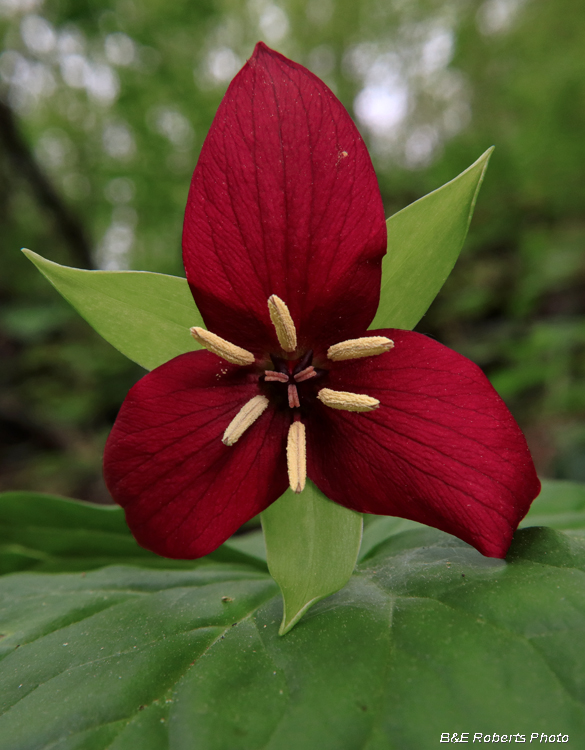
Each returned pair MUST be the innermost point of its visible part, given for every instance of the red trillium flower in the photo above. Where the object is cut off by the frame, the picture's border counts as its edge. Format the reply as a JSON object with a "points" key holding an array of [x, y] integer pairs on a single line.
{"points": [[283, 241]]}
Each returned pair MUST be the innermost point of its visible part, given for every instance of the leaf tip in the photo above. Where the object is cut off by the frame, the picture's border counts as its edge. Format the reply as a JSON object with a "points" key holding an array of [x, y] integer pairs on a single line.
{"points": [[36, 259], [284, 628], [485, 158], [288, 623]]}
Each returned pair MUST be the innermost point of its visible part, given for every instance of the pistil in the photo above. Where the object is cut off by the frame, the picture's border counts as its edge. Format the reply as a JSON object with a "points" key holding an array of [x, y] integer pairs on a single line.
{"points": [[293, 397], [308, 372], [275, 377]]}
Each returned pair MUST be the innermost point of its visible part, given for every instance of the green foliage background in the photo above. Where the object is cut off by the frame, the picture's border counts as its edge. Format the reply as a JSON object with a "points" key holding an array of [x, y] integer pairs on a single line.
{"points": [[105, 106], [107, 646]]}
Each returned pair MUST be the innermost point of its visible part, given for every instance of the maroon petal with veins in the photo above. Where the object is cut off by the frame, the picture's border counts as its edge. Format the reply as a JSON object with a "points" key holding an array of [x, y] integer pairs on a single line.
{"points": [[183, 490], [285, 201], [441, 449]]}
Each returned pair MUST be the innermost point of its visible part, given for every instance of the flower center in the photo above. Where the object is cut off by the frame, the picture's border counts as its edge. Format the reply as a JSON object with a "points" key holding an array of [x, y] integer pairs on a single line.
{"points": [[290, 378], [290, 374]]}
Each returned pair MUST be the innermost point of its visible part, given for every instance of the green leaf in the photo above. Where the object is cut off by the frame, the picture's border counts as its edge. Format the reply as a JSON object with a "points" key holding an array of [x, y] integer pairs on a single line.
{"points": [[50, 533], [427, 637], [377, 529], [146, 316], [560, 505], [424, 241], [312, 546]]}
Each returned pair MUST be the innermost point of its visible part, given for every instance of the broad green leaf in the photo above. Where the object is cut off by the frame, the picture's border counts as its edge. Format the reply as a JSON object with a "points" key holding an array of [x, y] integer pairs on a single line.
{"points": [[312, 546], [250, 544], [560, 505], [427, 637], [424, 241], [377, 529], [50, 533], [146, 316]]}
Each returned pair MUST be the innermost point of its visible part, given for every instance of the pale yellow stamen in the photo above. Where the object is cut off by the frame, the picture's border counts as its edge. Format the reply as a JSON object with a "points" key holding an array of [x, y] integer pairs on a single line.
{"points": [[246, 417], [283, 323], [296, 456], [347, 401], [368, 346], [293, 396], [230, 352]]}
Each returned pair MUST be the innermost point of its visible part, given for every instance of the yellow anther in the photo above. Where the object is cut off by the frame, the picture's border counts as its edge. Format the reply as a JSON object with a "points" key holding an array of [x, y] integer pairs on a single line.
{"points": [[368, 346], [230, 352], [347, 401], [283, 323], [246, 417], [296, 456]]}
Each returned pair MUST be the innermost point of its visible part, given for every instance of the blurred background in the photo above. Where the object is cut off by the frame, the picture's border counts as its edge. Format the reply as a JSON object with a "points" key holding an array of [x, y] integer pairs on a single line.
{"points": [[104, 107]]}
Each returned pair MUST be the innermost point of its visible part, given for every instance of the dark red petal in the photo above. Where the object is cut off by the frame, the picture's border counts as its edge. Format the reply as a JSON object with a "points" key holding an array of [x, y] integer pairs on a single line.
{"points": [[442, 448], [183, 490], [284, 200]]}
